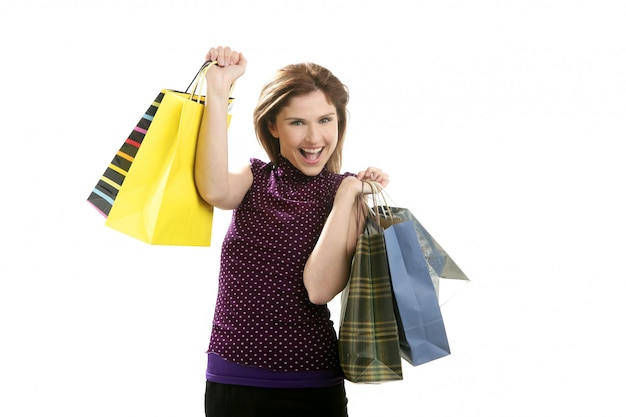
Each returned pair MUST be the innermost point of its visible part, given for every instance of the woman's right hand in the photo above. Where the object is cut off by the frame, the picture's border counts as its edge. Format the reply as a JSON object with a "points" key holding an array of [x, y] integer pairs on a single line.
{"points": [[230, 66]]}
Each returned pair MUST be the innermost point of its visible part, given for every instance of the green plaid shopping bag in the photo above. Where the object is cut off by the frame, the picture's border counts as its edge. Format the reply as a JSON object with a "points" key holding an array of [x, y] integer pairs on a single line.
{"points": [[369, 349]]}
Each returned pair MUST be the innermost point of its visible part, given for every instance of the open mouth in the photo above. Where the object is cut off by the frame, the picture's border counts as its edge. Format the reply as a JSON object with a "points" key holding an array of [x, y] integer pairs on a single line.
{"points": [[311, 154]]}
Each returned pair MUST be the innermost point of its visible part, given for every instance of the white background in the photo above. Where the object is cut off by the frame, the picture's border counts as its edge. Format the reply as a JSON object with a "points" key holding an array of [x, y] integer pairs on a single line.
{"points": [[499, 122]]}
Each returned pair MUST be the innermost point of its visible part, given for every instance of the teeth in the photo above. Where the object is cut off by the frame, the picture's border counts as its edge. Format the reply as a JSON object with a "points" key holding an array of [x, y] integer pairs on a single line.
{"points": [[316, 150]]}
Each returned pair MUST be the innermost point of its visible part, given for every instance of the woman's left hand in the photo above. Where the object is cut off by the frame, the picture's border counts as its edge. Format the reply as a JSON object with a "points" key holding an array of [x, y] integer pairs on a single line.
{"points": [[374, 174], [352, 187]]}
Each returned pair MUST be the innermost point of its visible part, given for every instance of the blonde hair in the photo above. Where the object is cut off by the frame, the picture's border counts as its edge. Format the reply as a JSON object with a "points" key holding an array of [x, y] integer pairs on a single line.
{"points": [[292, 81]]}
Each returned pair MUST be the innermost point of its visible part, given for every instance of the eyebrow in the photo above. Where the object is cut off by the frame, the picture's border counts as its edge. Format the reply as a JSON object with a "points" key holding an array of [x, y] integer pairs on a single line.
{"points": [[319, 117]]}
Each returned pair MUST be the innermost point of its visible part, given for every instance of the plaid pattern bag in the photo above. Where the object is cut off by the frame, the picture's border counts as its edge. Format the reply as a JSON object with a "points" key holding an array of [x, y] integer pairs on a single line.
{"points": [[369, 349]]}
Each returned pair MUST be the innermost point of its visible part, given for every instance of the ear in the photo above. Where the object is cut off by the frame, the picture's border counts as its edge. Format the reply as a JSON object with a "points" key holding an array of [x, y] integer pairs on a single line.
{"points": [[271, 126]]}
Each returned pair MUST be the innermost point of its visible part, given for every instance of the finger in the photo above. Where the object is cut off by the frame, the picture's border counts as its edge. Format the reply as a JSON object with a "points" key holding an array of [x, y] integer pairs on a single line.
{"points": [[242, 60], [216, 55], [377, 176], [213, 53], [235, 58], [225, 57], [219, 55], [383, 180], [210, 56], [372, 173], [365, 175]]}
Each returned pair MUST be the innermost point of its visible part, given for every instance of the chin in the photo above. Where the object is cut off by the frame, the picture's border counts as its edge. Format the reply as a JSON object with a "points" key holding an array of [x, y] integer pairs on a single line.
{"points": [[310, 171]]}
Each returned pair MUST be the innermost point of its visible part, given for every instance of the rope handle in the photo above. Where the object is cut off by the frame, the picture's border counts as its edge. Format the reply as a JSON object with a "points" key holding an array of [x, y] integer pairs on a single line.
{"points": [[199, 79], [379, 210]]}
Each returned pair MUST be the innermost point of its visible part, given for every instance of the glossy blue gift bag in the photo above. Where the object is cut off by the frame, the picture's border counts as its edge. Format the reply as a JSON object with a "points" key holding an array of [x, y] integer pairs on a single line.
{"points": [[421, 328]]}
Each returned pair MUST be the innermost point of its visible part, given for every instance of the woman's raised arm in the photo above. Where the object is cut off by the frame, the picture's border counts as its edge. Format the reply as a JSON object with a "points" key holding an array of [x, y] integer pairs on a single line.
{"points": [[215, 182]]}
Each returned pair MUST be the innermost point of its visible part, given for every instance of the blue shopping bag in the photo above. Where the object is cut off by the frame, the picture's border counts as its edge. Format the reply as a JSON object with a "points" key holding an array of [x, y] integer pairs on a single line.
{"points": [[421, 328]]}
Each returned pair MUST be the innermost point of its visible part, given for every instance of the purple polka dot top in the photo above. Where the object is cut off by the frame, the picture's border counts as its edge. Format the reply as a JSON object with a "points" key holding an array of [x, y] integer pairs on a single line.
{"points": [[263, 317]]}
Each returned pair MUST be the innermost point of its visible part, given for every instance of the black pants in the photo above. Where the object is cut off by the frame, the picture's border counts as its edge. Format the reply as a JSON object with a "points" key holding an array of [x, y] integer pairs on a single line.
{"points": [[240, 401]]}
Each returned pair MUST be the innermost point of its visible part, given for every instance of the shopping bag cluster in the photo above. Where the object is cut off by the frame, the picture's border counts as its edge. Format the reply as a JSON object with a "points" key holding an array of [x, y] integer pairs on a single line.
{"points": [[390, 307]]}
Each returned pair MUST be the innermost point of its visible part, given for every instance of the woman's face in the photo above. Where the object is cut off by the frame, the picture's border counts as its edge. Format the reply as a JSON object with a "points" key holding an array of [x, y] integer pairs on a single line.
{"points": [[307, 130]]}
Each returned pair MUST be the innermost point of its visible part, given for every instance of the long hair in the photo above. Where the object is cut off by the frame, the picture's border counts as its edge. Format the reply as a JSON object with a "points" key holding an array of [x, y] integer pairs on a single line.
{"points": [[292, 81]]}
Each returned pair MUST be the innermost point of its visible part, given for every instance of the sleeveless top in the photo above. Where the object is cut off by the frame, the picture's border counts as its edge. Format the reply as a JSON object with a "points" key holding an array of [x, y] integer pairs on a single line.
{"points": [[263, 317]]}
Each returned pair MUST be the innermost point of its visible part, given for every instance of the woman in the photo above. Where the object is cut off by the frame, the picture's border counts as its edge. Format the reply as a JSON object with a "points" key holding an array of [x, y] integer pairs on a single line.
{"points": [[288, 250]]}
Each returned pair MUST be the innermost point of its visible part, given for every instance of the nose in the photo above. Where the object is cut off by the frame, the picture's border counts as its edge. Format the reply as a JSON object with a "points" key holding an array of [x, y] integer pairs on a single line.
{"points": [[314, 133]]}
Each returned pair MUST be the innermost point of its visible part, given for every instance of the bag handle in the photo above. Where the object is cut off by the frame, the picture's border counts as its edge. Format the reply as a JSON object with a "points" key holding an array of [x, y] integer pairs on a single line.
{"points": [[196, 83], [375, 189], [381, 211], [197, 75]]}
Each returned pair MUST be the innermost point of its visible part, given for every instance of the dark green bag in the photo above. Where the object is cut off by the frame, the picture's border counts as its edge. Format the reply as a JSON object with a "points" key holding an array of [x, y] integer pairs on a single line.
{"points": [[369, 349]]}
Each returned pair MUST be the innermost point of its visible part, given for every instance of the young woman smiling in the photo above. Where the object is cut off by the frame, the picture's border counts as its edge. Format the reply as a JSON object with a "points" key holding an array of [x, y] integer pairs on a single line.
{"points": [[289, 247]]}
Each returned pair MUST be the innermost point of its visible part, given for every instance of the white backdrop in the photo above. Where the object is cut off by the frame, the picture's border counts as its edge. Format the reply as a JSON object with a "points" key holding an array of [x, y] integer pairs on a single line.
{"points": [[500, 124]]}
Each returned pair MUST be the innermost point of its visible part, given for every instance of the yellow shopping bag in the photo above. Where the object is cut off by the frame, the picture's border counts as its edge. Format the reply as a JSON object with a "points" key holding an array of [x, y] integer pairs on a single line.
{"points": [[157, 201]]}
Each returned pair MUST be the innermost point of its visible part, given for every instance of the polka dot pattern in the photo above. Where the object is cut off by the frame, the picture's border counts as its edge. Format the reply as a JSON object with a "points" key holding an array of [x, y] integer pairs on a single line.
{"points": [[263, 316]]}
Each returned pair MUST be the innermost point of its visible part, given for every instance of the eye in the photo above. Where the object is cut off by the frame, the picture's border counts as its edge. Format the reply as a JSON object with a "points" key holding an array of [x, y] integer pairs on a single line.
{"points": [[326, 120], [297, 123]]}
